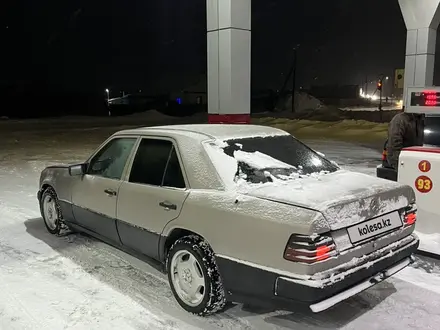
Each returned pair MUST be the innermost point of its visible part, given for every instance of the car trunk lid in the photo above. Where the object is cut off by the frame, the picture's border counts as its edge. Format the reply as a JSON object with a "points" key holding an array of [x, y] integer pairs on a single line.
{"points": [[344, 198]]}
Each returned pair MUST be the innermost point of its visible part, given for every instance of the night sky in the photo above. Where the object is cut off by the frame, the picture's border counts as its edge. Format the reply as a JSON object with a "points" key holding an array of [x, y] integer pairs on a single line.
{"points": [[161, 45]]}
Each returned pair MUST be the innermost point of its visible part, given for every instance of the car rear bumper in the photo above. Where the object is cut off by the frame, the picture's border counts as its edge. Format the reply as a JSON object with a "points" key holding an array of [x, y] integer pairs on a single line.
{"points": [[362, 286], [248, 284]]}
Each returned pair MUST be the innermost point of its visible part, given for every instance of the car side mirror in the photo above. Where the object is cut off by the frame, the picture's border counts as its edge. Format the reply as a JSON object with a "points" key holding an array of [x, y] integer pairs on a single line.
{"points": [[77, 169]]}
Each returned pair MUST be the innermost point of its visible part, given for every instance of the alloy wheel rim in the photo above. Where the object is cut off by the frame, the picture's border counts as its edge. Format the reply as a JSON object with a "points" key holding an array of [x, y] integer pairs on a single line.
{"points": [[188, 278], [50, 213]]}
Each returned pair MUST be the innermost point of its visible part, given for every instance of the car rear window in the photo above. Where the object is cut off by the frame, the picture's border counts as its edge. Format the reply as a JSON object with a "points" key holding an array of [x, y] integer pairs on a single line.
{"points": [[279, 155]]}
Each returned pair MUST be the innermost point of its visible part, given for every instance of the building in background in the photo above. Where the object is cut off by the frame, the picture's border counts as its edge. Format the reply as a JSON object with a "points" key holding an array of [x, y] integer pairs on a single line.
{"points": [[195, 95]]}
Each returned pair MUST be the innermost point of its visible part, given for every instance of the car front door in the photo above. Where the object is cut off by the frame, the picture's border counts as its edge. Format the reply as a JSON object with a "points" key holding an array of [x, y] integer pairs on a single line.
{"points": [[94, 196], [151, 196]]}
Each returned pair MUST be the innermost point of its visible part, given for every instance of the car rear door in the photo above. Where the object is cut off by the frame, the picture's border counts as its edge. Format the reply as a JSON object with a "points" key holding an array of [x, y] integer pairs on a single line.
{"points": [[94, 196], [151, 196]]}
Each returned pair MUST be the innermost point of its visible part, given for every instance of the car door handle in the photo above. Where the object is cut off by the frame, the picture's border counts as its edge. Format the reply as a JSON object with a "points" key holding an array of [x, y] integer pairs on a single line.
{"points": [[110, 192], [168, 206]]}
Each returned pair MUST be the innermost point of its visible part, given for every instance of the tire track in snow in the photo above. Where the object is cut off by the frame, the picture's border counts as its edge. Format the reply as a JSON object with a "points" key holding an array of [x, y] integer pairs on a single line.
{"points": [[49, 291], [136, 279]]}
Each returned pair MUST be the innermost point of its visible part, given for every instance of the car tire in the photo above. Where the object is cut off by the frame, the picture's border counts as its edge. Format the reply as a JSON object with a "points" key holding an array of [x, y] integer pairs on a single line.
{"points": [[195, 251], [51, 211]]}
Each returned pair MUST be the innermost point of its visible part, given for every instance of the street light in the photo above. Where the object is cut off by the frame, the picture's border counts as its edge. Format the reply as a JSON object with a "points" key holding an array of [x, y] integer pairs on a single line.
{"points": [[108, 101]]}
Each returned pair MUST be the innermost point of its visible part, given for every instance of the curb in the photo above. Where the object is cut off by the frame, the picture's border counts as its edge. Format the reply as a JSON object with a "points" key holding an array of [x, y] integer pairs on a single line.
{"points": [[428, 254]]}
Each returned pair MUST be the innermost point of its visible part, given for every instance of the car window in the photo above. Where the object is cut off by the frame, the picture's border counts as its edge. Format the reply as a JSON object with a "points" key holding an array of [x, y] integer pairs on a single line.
{"points": [[280, 156], [173, 175], [111, 159], [156, 163]]}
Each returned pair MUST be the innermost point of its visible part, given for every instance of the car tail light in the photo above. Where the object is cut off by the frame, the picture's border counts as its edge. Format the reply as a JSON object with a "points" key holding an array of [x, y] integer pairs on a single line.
{"points": [[309, 249], [410, 215], [384, 155]]}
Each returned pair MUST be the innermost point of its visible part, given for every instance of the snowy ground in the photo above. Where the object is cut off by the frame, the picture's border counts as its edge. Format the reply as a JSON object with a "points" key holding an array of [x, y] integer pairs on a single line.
{"points": [[76, 282], [374, 107]]}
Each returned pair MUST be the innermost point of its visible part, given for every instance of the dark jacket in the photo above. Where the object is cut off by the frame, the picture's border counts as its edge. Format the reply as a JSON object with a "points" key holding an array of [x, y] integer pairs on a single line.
{"points": [[405, 130]]}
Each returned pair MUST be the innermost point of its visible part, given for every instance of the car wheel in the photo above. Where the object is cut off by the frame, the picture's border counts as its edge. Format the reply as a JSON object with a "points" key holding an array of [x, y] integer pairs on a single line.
{"points": [[194, 276], [51, 211]]}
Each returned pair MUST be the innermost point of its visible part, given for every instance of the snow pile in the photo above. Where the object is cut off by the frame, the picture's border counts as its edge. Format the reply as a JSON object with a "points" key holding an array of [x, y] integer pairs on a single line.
{"points": [[259, 160], [421, 279], [303, 102], [429, 242], [148, 118], [226, 166], [350, 130]]}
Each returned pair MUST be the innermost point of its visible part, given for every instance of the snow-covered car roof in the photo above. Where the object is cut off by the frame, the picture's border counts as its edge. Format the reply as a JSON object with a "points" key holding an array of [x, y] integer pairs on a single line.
{"points": [[215, 131], [198, 166]]}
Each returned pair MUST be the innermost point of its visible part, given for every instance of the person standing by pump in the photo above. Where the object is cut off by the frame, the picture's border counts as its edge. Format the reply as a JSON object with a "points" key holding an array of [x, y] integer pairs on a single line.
{"points": [[405, 130]]}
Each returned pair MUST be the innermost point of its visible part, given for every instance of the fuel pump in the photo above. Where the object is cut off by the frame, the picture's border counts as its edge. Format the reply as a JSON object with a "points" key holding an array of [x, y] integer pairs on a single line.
{"points": [[419, 167]]}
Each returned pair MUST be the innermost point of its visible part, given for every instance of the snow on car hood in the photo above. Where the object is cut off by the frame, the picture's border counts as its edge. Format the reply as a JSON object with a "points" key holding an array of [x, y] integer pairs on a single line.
{"points": [[344, 198]]}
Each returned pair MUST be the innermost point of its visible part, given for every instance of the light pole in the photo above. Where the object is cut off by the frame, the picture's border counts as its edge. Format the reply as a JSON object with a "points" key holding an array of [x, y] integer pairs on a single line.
{"points": [[108, 101], [387, 89], [379, 88], [295, 57]]}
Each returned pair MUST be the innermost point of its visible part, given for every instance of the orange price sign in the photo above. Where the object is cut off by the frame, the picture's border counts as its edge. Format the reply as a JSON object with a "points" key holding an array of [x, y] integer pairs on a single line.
{"points": [[425, 166], [423, 184]]}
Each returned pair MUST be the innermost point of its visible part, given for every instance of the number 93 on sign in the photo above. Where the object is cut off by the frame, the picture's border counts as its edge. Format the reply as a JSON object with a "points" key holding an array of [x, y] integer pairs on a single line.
{"points": [[423, 184]]}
